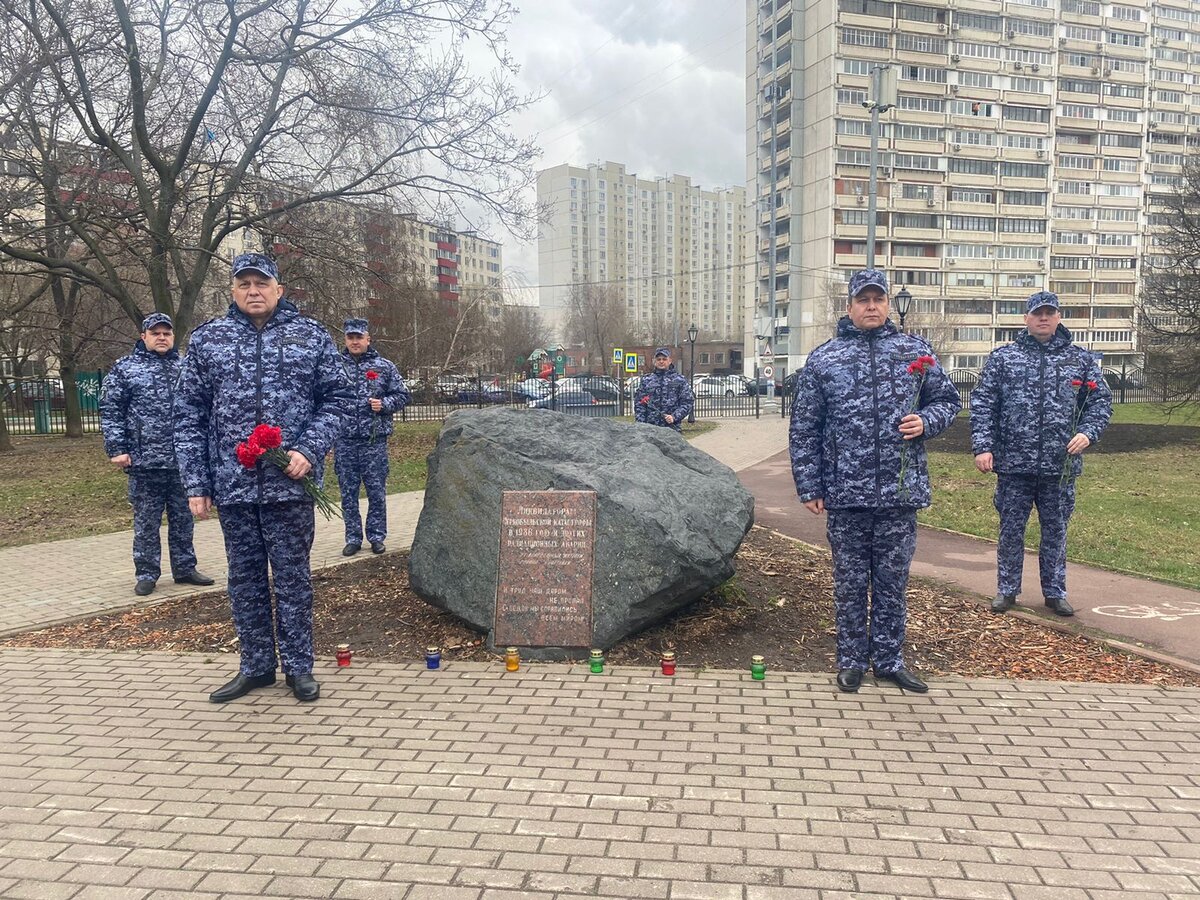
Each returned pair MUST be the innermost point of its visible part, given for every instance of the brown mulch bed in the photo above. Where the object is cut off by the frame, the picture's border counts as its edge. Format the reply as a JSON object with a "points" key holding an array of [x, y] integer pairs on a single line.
{"points": [[778, 605]]}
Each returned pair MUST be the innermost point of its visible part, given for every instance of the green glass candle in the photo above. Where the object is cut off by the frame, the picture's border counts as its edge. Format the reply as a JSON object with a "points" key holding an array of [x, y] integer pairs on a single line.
{"points": [[597, 662], [758, 668]]}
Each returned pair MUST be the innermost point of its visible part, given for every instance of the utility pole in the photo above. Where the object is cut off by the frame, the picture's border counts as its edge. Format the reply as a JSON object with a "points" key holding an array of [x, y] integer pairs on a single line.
{"points": [[883, 98]]}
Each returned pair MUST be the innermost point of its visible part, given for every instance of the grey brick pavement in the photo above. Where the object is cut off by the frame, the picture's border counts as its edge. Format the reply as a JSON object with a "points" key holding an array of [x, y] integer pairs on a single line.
{"points": [[121, 780]]}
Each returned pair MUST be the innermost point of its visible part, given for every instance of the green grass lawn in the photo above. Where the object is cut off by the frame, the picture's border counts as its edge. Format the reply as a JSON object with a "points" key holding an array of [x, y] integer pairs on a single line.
{"points": [[1136, 512], [53, 488]]}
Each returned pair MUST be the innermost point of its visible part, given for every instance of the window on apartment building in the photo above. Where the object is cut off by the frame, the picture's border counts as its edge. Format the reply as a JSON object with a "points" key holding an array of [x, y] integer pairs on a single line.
{"points": [[1015, 307], [1071, 262], [1128, 91], [1125, 39], [1082, 33], [1071, 237], [914, 13], [1024, 141], [919, 133], [1128, 190], [973, 138], [1075, 138], [972, 223], [971, 166], [866, 7], [1168, 34], [976, 21], [915, 220], [969, 360], [1023, 170], [1168, 54], [921, 43], [1074, 187], [924, 250], [856, 66], [916, 161], [1079, 85], [1085, 213], [971, 195], [1170, 181], [1017, 251], [1074, 58], [1168, 96], [1028, 57], [1135, 66], [1071, 287], [1112, 164], [1126, 13], [975, 79], [969, 108], [1026, 113], [854, 157], [857, 127], [1034, 27], [912, 191], [1112, 337], [1007, 335], [929, 74], [852, 96], [1109, 214], [970, 334], [1022, 226], [1115, 262], [969, 279], [967, 251], [969, 306], [1112, 312], [921, 104], [1029, 85], [865, 37], [1068, 161], [1123, 115], [976, 50], [1081, 7], [1025, 198], [919, 276]]}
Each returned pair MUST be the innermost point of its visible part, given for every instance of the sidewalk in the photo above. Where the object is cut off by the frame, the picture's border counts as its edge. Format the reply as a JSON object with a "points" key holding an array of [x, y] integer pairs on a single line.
{"points": [[1132, 609], [61, 581], [470, 783]]}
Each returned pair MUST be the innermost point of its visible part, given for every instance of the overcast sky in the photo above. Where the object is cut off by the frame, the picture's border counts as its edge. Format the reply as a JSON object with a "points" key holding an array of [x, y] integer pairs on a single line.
{"points": [[655, 84]]}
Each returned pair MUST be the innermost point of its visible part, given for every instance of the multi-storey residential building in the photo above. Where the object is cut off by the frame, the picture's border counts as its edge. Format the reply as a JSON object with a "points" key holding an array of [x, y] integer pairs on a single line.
{"points": [[1025, 151], [671, 251]]}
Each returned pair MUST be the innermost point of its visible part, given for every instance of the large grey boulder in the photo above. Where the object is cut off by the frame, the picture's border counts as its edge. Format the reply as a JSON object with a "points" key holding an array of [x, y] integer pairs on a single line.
{"points": [[669, 518]]}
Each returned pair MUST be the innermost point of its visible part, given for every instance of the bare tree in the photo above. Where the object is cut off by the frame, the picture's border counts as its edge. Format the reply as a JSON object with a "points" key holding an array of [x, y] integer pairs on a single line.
{"points": [[518, 332], [595, 318], [1169, 306], [212, 121]]}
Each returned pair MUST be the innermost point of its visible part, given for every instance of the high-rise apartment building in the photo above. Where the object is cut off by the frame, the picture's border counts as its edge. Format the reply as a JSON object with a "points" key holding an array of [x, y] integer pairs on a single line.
{"points": [[1025, 151], [671, 251]]}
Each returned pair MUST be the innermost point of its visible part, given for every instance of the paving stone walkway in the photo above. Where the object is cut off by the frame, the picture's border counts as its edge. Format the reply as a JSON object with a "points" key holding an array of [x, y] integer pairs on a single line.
{"points": [[470, 783]]}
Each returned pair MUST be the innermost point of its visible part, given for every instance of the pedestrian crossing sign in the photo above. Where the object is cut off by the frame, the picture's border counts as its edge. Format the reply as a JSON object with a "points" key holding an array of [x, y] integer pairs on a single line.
{"points": [[618, 356], [631, 362]]}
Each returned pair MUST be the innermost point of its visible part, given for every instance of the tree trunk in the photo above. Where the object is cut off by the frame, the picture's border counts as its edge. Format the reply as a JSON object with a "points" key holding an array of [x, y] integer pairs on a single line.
{"points": [[6, 444]]}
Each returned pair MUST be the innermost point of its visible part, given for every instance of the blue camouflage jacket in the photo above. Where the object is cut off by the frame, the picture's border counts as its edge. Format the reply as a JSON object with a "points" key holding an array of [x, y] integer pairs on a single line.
{"points": [[1024, 403], [135, 408], [235, 377], [659, 394], [389, 387], [844, 441]]}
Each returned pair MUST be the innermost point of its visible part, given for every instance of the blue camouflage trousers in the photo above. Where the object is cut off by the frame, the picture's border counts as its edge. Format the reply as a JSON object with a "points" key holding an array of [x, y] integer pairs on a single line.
{"points": [[281, 535], [872, 551], [150, 492], [1016, 495], [361, 463]]}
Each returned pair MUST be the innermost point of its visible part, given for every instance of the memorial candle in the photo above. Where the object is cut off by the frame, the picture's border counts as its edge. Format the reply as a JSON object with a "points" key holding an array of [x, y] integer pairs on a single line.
{"points": [[512, 659], [343, 655], [668, 662], [597, 662], [433, 657], [758, 668]]}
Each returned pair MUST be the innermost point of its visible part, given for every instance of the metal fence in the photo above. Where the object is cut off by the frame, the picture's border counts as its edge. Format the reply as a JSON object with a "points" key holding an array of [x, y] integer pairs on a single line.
{"points": [[39, 405]]}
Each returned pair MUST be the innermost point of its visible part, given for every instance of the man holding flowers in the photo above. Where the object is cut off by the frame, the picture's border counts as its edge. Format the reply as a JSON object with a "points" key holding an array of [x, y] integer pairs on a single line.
{"points": [[1040, 402], [865, 403], [259, 402], [360, 456]]}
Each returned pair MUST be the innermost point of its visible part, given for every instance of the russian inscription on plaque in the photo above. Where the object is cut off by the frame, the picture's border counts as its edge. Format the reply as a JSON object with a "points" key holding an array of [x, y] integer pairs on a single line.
{"points": [[544, 589]]}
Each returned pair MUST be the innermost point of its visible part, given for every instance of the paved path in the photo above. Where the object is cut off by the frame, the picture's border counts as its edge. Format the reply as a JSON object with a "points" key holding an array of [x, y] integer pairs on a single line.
{"points": [[121, 780], [60, 581], [1133, 609]]}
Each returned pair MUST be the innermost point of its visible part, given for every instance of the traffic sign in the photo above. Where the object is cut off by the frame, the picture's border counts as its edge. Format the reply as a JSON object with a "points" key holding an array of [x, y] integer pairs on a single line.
{"points": [[631, 362], [618, 356], [768, 371]]}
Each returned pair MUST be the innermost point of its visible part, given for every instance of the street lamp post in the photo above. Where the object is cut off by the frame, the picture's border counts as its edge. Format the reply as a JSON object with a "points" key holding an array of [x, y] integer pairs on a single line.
{"points": [[903, 303], [692, 332]]}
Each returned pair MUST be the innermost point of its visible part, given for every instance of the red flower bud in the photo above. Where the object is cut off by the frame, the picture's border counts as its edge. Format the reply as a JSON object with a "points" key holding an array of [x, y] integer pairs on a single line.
{"points": [[646, 399], [1075, 382], [372, 375], [266, 437], [1091, 385]]}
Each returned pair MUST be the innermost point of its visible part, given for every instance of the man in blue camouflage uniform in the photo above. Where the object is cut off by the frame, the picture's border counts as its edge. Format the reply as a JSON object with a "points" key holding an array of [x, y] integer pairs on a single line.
{"points": [[262, 363], [360, 455], [1022, 413], [135, 416], [851, 427], [663, 397]]}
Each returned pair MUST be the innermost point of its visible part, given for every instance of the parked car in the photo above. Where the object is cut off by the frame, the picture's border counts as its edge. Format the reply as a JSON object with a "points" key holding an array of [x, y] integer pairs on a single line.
{"points": [[564, 396], [1132, 381], [531, 389], [603, 388], [32, 389], [720, 386], [759, 386]]}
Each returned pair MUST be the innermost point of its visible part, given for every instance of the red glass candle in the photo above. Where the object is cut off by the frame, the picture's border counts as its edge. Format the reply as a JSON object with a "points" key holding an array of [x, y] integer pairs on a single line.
{"points": [[668, 662], [343, 655]]}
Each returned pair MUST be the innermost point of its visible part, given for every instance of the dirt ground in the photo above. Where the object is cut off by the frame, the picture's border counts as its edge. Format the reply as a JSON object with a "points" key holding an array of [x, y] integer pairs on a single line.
{"points": [[778, 605]]}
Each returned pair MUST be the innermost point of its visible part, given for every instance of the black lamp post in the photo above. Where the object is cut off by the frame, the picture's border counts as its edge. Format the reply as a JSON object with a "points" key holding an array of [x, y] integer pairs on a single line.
{"points": [[692, 332], [903, 304]]}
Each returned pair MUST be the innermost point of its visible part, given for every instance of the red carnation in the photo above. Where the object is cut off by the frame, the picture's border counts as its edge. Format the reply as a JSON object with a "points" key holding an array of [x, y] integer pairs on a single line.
{"points": [[1075, 382], [372, 375], [248, 454], [646, 399], [268, 437], [1091, 385]]}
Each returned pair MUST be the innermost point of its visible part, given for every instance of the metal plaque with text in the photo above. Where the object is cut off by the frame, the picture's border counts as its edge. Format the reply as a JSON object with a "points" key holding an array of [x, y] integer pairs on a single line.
{"points": [[544, 589]]}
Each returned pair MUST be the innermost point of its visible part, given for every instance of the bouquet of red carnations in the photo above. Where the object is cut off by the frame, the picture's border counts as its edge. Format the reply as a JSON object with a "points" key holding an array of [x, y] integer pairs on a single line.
{"points": [[265, 443], [920, 367]]}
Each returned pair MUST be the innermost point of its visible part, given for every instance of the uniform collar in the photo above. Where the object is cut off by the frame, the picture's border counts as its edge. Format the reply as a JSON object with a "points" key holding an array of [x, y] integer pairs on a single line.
{"points": [[284, 312], [141, 348], [847, 329]]}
